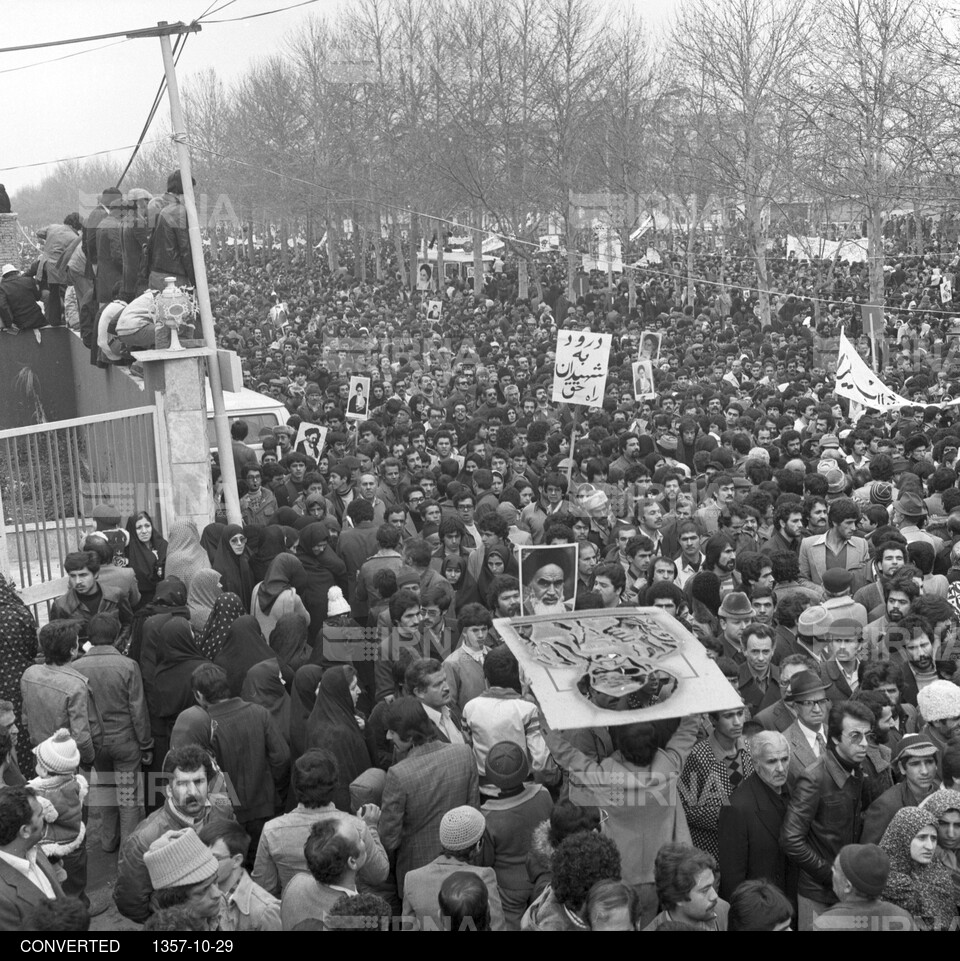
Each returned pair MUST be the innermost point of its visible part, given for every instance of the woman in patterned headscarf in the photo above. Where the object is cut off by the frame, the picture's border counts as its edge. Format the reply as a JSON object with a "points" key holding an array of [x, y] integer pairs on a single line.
{"points": [[944, 805], [18, 648], [204, 591], [918, 883], [226, 609]]}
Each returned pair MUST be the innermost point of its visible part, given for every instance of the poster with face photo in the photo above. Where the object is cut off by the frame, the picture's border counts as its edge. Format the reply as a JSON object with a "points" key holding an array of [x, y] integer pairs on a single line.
{"points": [[643, 388], [358, 398], [424, 276], [548, 578], [434, 309], [310, 439], [650, 345]]}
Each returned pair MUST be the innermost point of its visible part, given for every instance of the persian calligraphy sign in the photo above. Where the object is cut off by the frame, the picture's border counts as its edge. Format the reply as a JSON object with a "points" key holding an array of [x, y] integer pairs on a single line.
{"points": [[580, 368]]}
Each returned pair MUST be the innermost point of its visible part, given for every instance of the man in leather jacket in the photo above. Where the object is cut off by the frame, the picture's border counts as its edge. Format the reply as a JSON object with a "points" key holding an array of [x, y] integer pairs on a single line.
{"points": [[826, 809]]}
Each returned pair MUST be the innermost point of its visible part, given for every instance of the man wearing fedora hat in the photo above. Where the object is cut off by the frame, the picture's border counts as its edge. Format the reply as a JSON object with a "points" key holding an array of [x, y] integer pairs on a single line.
{"points": [[735, 613], [910, 515], [840, 546], [916, 762], [805, 695]]}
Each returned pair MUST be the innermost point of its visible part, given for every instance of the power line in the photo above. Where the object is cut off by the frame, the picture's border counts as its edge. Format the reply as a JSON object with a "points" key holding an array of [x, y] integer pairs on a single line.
{"points": [[266, 13], [144, 31], [178, 49], [79, 53], [83, 156]]}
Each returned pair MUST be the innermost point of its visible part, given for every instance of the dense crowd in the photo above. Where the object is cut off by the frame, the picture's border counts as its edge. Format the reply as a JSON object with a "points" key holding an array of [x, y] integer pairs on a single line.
{"points": [[310, 720]]}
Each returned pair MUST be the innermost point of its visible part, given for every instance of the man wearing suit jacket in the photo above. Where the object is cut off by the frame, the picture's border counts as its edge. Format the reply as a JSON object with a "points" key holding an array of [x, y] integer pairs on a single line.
{"points": [[26, 877], [749, 826], [807, 736], [433, 778], [779, 716], [839, 547]]}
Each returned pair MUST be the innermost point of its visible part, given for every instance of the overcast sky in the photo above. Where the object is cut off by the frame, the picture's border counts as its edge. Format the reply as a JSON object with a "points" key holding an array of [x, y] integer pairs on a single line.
{"points": [[99, 99]]}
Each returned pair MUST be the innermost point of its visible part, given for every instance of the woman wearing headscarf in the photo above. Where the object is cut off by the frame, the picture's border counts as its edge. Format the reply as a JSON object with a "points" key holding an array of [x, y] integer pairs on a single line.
{"points": [[323, 570], [203, 594], [285, 517], [944, 805], [917, 882], [169, 601], [454, 570], [264, 685], [277, 594], [497, 560], [177, 659], [302, 699], [185, 556], [334, 726], [146, 553], [245, 647], [210, 539], [18, 648], [227, 608], [288, 640], [272, 544], [233, 564]]}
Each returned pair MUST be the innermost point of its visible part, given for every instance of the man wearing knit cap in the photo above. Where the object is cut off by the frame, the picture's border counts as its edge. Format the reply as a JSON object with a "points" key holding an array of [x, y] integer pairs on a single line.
{"points": [[837, 583], [183, 873], [916, 761], [859, 874], [939, 705], [461, 837]]}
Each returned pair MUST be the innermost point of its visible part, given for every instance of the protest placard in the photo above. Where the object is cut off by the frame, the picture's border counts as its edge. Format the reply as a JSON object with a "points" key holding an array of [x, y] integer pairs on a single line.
{"points": [[580, 368], [603, 668]]}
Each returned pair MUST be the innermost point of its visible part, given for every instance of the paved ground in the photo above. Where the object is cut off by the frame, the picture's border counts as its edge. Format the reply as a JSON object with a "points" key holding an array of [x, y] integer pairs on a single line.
{"points": [[101, 874]]}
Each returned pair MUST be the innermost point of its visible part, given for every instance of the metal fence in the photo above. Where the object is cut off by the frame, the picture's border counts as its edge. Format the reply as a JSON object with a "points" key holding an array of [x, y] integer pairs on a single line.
{"points": [[52, 476]]}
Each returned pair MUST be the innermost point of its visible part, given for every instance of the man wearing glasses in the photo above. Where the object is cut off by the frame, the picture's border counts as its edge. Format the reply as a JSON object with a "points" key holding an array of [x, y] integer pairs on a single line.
{"points": [[825, 810]]}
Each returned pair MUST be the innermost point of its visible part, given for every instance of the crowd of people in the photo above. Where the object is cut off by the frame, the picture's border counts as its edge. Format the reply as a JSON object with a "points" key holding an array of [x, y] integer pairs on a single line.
{"points": [[309, 720]]}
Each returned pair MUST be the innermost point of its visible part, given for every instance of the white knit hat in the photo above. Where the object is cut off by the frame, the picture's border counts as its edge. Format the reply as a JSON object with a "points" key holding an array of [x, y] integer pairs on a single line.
{"points": [[177, 858], [939, 700], [461, 828], [336, 602], [59, 753]]}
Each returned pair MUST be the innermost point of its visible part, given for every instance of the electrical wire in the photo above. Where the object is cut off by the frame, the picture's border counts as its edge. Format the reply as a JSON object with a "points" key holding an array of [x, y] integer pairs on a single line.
{"points": [[266, 13], [83, 156], [79, 53], [181, 42]]}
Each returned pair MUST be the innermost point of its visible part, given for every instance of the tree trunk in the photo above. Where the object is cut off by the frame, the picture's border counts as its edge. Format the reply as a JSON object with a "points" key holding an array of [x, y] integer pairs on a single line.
{"points": [[477, 259], [523, 287], [251, 248], [398, 246], [440, 275], [412, 240], [333, 239], [284, 249], [875, 254], [308, 237], [691, 242]]}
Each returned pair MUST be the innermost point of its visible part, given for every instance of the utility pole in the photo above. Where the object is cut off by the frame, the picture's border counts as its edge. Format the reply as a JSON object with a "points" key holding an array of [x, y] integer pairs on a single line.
{"points": [[228, 470]]}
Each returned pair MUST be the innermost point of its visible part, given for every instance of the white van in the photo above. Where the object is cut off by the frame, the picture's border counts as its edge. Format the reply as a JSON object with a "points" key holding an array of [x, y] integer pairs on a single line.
{"points": [[258, 410]]}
